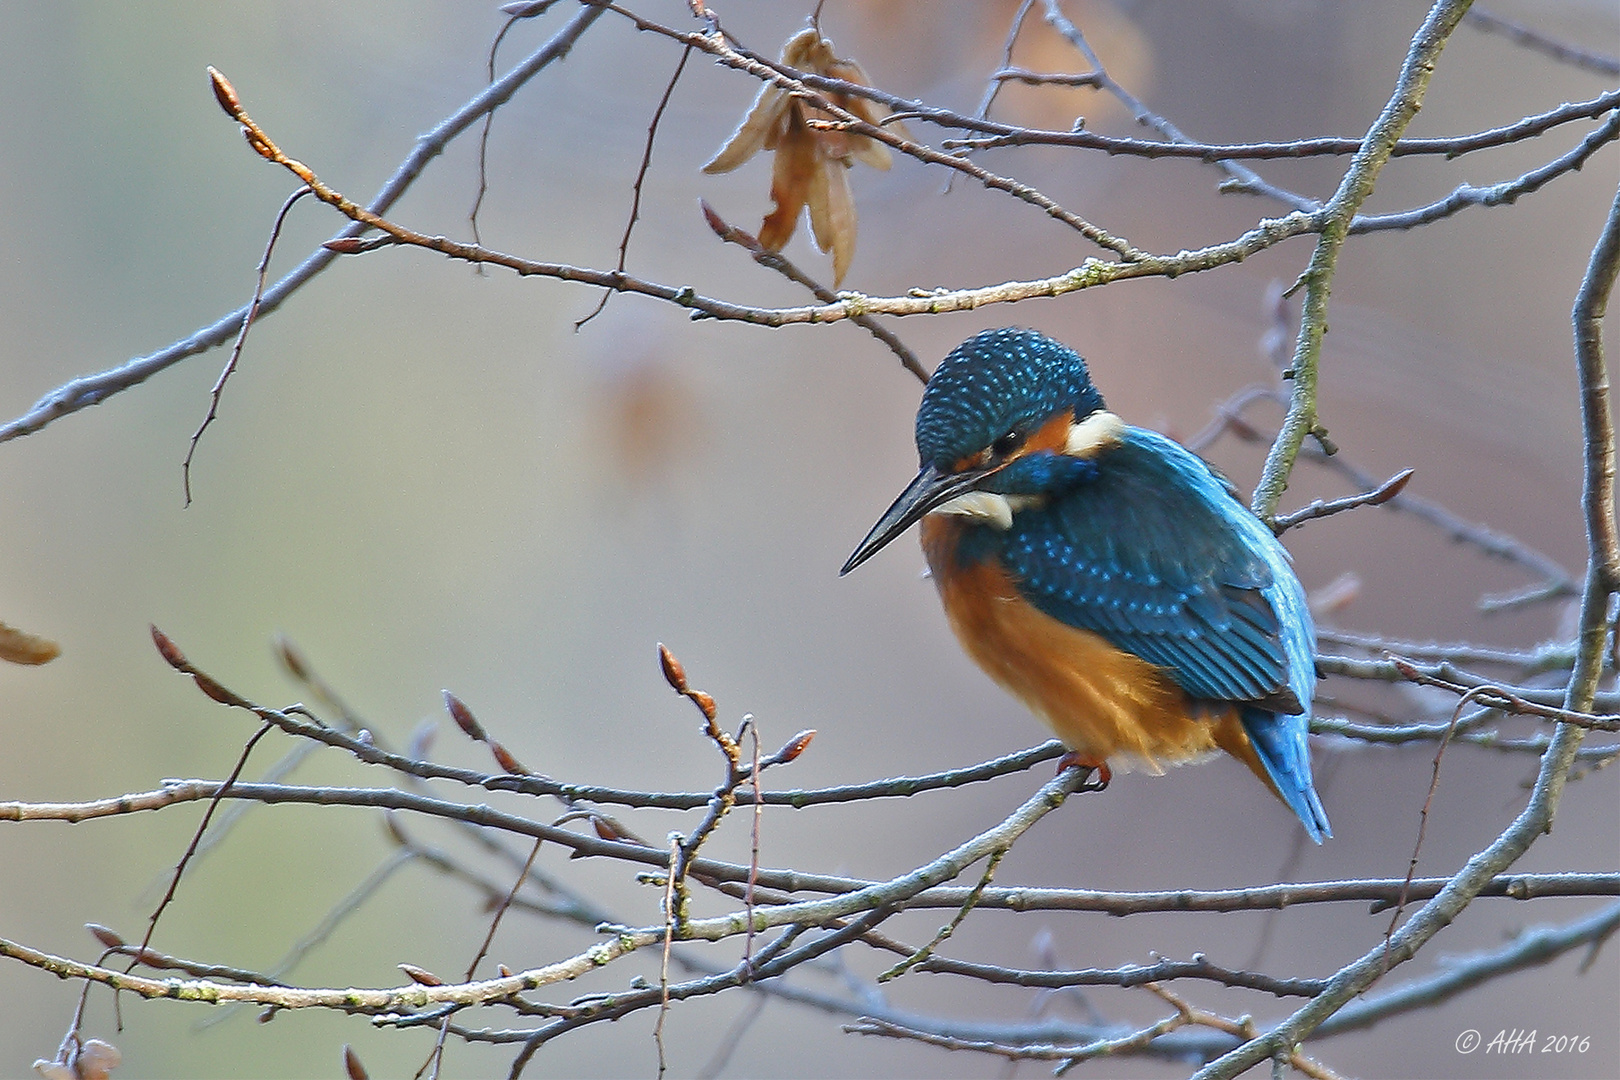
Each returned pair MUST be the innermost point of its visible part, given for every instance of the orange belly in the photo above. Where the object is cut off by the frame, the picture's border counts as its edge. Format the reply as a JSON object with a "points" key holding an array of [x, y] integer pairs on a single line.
{"points": [[1104, 703]]}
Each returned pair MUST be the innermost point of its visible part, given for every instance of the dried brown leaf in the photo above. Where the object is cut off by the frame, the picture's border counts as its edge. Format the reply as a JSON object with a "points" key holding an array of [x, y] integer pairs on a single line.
{"points": [[94, 1059], [809, 51], [97, 1059], [761, 126], [808, 170], [21, 647], [798, 161], [832, 215]]}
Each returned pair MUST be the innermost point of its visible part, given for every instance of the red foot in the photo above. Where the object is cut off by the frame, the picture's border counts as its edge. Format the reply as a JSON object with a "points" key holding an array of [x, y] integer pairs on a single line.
{"points": [[1101, 774]]}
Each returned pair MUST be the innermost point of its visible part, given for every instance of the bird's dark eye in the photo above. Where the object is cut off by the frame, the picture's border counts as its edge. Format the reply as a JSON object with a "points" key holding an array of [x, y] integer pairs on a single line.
{"points": [[1007, 444]]}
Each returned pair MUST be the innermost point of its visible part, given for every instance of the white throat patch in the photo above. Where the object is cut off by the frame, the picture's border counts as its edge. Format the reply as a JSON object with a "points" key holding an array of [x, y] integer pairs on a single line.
{"points": [[1100, 431], [990, 507]]}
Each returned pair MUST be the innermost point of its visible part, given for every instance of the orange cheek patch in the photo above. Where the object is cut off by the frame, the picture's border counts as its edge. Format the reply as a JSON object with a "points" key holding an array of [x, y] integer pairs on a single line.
{"points": [[972, 461], [1052, 435]]}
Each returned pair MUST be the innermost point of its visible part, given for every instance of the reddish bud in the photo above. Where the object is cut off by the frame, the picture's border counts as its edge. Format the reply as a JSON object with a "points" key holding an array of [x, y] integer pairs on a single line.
{"points": [[225, 93], [292, 659], [463, 717], [713, 220], [506, 972], [1396, 485], [352, 1066], [421, 975], [795, 746], [345, 245], [674, 673], [208, 686], [731, 234], [504, 758], [704, 702], [169, 650], [605, 829], [260, 147], [105, 935]]}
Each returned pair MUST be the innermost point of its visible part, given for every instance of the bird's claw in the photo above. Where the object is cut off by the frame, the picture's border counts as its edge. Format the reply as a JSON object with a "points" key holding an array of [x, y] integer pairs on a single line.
{"points": [[1100, 776]]}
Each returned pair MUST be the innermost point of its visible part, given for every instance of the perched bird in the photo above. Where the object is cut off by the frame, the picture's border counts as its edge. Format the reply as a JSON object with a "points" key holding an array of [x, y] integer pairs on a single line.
{"points": [[1104, 574]]}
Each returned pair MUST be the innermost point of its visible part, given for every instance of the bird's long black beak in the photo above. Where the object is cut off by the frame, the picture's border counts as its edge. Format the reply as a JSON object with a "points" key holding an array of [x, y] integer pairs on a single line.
{"points": [[930, 489]]}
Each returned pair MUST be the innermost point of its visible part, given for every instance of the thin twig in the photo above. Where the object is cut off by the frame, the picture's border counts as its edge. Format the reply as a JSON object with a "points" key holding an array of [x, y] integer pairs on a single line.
{"points": [[946, 931], [1321, 509], [1505, 700], [1423, 814], [489, 119], [223, 791], [992, 88], [241, 339], [1536, 41], [775, 260], [1241, 176], [670, 879], [1449, 147], [641, 175]]}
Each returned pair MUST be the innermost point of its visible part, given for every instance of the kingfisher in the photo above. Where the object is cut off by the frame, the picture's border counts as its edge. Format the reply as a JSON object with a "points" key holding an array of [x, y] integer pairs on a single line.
{"points": [[1104, 574]]}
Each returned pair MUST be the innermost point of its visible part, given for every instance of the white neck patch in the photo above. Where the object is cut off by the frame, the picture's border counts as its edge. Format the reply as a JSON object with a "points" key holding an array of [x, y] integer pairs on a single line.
{"points": [[990, 507], [1100, 431]]}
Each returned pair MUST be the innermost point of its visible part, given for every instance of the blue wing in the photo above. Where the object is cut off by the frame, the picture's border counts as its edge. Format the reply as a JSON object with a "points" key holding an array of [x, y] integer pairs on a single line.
{"points": [[1155, 553]]}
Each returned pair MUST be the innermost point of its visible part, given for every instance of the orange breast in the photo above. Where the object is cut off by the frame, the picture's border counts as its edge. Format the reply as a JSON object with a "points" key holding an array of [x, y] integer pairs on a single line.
{"points": [[1104, 703]]}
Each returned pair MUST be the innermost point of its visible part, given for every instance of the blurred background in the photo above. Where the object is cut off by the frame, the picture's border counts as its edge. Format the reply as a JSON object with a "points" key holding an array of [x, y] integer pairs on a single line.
{"points": [[427, 478]]}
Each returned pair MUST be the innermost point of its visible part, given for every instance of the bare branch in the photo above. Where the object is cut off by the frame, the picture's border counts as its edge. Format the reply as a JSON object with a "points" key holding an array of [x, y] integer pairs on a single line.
{"points": [[1334, 225], [90, 390], [1536, 41], [1320, 509]]}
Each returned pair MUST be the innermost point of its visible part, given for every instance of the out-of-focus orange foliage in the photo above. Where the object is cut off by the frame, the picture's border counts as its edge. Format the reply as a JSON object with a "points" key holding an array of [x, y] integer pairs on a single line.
{"points": [[811, 164]]}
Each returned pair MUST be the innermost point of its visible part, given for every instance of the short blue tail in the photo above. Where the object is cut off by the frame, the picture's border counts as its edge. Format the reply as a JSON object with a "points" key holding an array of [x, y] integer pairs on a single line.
{"points": [[1279, 740]]}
